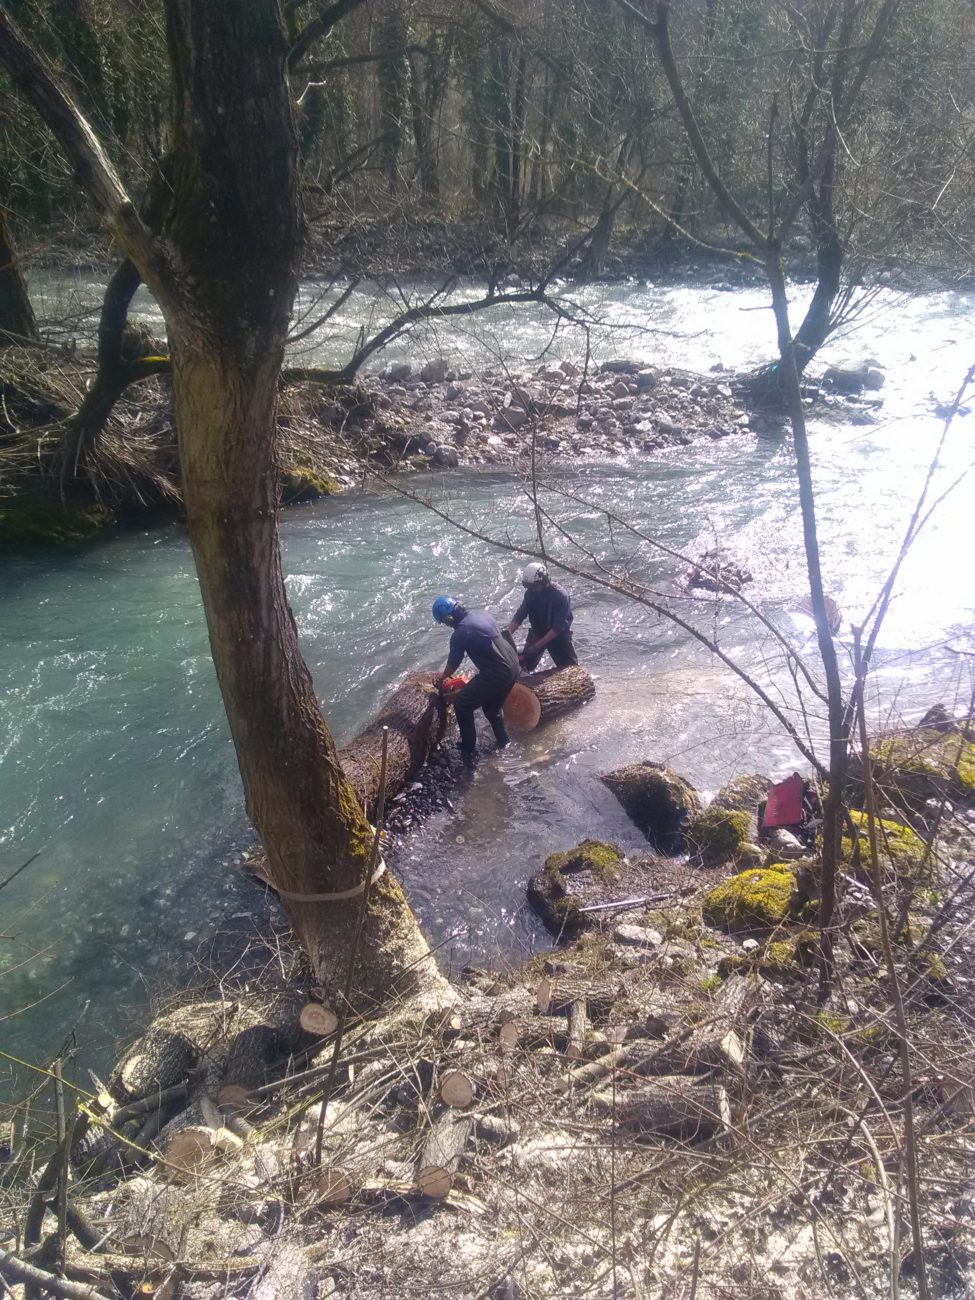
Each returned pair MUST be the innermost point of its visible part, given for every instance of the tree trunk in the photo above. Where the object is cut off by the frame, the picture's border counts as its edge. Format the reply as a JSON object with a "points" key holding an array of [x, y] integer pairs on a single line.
{"points": [[560, 690], [16, 314], [416, 716]]}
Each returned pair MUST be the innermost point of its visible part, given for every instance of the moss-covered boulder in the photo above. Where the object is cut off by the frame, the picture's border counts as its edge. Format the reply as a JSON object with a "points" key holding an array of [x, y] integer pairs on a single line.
{"points": [[932, 761], [302, 483], [759, 898], [659, 801], [901, 850], [783, 960], [572, 880], [39, 520], [718, 834]]}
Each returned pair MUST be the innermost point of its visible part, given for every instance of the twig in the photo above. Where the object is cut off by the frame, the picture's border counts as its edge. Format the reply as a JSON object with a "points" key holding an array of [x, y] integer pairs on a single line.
{"points": [[38, 1278]]}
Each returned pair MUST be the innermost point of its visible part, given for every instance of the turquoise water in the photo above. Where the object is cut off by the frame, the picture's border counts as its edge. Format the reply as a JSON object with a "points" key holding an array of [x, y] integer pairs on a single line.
{"points": [[117, 770]]}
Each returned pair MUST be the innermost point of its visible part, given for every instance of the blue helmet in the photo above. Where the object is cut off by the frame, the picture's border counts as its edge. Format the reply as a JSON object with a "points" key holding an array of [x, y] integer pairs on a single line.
{"points": [[443, 607]]}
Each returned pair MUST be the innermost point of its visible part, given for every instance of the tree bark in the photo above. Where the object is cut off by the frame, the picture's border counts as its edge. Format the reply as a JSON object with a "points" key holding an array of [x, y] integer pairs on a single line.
{"points": [[16, 313], [225, 274], [416, 716]]}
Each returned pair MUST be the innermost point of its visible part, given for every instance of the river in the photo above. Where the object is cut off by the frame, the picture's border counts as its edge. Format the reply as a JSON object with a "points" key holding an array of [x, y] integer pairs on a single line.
{"points": [[117, 767]]}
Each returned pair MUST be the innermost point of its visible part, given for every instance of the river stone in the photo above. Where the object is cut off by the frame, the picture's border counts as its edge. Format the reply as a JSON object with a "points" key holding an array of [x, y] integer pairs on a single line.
{"points": [[639, 936], [397, 371], [513, 417], [659, 801], [665, 422], [446, 457], [434, 372]]}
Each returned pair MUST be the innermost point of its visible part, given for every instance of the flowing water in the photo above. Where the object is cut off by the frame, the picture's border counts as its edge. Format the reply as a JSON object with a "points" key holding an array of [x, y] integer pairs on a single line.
{"points": [[118, 771]]}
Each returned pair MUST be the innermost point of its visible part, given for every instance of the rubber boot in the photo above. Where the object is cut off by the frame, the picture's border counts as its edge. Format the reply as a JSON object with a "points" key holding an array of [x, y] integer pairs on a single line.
{"points": [[500, 732]]}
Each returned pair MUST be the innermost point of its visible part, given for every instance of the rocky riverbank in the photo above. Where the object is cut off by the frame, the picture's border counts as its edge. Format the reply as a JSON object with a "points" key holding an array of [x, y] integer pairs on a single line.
{"points": [[661, 1104]]}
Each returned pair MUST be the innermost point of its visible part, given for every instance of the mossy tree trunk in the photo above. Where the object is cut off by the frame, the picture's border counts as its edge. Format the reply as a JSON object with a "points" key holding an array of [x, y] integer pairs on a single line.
{"points": [[225, 274]]}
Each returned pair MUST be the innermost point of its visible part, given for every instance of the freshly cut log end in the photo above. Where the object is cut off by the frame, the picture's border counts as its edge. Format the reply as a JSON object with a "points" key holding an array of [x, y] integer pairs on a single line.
{"points": [[522, 708], [457, 1090], [318, 1020], [435, 1181], [334, 1186], [508, 1035], [189, 1149]]}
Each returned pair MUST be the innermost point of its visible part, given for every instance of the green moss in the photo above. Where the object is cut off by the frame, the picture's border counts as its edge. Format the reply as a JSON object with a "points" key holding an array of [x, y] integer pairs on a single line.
{"points": [[600, 859], [719, 832], [932, 966], [710, 982], [43, 521], [898, 846], [760, 897], [925, 763], [301, 483], [779, 959], [831, 1023]]}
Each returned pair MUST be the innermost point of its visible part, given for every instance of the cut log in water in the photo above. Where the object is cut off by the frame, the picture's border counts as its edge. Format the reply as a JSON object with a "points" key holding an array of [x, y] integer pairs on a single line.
{"points": [[416, 715], [441, 1155], [318, 1019], [560, 690]]}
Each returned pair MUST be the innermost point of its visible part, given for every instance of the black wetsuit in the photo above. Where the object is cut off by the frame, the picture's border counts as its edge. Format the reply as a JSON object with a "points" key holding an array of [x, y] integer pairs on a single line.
{"points": [[478, 636], [548, 608]]}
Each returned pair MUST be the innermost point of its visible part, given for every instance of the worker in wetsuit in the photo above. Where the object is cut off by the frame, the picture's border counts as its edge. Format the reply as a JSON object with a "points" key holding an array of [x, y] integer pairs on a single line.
{"points": [[477, 635], [549, 612]]}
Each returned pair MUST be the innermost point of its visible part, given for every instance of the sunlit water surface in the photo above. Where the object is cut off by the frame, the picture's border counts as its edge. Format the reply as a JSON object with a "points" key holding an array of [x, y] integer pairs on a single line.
{"points": [[117, 767]]}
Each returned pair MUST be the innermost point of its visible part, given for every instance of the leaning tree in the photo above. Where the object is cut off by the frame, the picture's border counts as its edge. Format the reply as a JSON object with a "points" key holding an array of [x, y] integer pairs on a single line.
{"points": [[223, 268]]}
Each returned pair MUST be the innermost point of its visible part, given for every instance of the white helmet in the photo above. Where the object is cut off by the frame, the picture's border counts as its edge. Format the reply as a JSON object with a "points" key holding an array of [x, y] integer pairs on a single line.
{"points": [[533, 573]]}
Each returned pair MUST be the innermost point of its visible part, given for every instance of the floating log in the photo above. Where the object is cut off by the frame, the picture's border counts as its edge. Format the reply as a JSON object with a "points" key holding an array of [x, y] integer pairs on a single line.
{"points": [[441, 1154], [557, 995], [456, 1090], [416, 715], [673, 1107], [560, 690], [578, 1027]]}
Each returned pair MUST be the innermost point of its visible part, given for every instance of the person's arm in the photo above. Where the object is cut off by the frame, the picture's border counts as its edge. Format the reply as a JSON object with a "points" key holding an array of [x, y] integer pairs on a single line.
{"points": [[455, 655], [518, 618]]}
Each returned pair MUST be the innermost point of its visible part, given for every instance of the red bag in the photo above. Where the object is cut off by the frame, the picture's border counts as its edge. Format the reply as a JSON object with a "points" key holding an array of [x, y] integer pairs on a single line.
{"points": [[784, 804], [450, 685]]}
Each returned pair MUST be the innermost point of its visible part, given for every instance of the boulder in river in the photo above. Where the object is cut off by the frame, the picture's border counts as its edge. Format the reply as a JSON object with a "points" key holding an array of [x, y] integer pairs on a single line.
{"points": [[571, 880], [659, 801]]}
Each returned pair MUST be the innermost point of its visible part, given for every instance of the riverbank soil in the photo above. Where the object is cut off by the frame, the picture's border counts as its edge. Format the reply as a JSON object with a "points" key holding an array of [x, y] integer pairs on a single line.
{"points": [[660, 1107]]}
